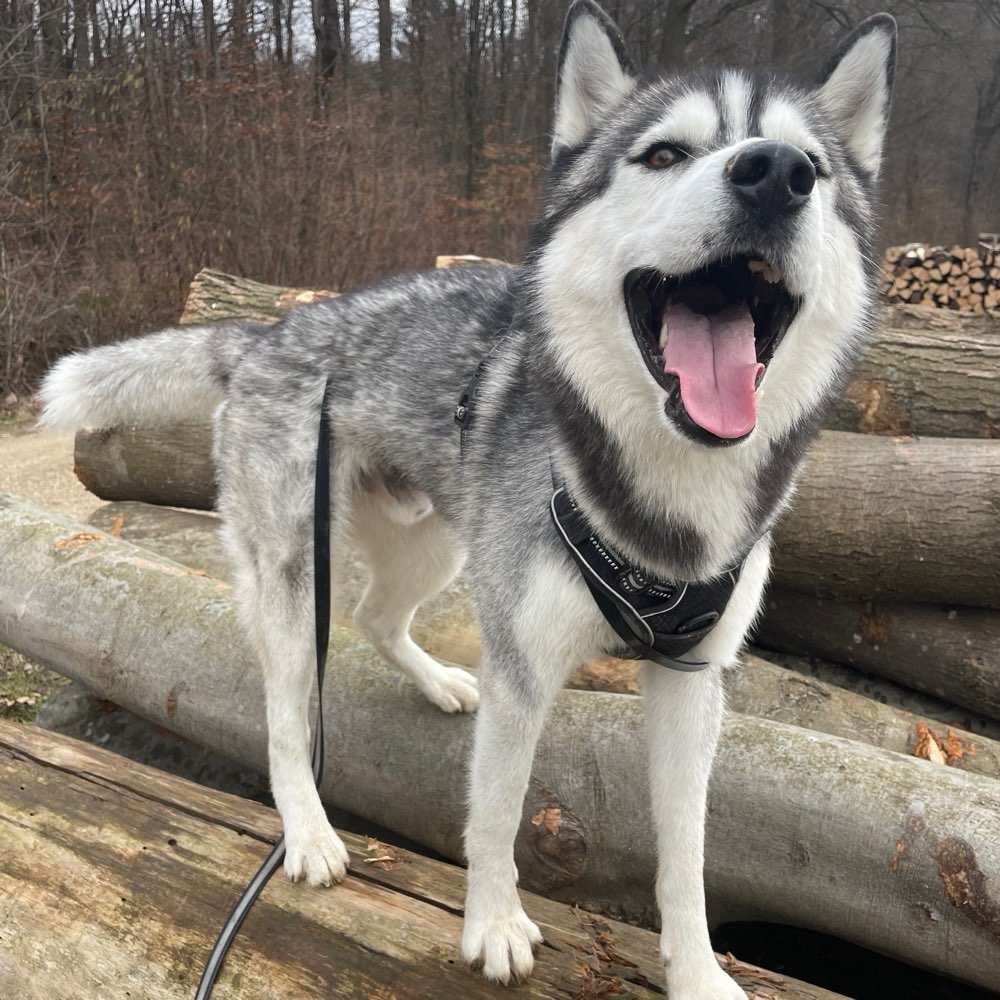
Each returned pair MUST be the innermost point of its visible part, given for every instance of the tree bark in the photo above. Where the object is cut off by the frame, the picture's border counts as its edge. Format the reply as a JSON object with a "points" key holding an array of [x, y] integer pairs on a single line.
{"points": [[215, 296], [445, 626], [768, 691], [392, 929], [895, 519], [877, 517], [165, 465], [893, 853], [950, 652], [927, 372]]}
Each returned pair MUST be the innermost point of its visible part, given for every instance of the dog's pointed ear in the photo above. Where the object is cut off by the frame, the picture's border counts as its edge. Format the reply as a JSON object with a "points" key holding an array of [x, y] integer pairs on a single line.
{"points": [[595, 73], [857, 87]]}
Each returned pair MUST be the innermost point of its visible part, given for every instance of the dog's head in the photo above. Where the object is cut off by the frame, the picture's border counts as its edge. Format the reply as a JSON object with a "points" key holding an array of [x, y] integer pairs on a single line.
{"points": [[704, 256]]}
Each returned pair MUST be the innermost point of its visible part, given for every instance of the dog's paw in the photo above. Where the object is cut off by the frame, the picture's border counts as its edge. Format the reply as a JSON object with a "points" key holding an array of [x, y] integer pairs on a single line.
{"points": [[451, 689], [710, 983], [502, 949], [316, 854]]}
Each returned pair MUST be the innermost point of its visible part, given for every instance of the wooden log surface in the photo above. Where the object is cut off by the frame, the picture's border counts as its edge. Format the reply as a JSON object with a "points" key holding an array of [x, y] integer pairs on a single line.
{"points": [[907, 519], [214, 296], [893, 853], [950, 652], [169, 465], [896, 519], [446, 626], [769, 691], [925, 372], [116, 877]]}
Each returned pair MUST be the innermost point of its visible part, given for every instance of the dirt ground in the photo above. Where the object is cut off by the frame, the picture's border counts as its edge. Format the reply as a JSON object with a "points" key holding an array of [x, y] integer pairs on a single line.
{"points": [[38, 465]]}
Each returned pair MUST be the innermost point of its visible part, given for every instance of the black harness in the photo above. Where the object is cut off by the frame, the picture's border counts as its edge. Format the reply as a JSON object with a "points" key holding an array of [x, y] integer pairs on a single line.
{"points": [[657, 620]]}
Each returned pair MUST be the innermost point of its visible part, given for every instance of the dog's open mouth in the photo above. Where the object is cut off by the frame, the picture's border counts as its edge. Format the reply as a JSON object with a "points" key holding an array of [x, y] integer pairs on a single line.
{"points": [[707, 338]]}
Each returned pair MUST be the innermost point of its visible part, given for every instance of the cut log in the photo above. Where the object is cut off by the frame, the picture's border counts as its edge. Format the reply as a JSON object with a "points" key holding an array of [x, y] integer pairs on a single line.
{"points": [[215, 296], [769, 691], [895, 519], [952, 653], [926, 373], [444, 625], [874, 517], [169, 465], [893, 853], [908, 271], [127, 897], [945, 714], [759, 688]]}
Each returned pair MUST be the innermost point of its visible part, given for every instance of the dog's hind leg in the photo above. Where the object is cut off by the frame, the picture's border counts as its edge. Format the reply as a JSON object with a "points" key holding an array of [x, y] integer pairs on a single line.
{"points": [[410, 559], [684, 719], [266, 501]]}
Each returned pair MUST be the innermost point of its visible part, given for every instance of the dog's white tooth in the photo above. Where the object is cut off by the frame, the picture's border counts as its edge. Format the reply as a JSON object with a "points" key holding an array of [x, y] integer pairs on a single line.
{"points": [[756, 265]]}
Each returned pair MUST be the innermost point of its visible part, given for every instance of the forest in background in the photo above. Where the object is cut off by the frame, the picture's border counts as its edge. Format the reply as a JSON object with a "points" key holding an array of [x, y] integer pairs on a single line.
{"points": [[326, 143]]}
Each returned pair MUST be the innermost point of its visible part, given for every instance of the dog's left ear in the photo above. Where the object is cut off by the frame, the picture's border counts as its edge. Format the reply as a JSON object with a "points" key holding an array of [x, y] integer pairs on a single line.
{"points": [[595, 73], [857, 87]]}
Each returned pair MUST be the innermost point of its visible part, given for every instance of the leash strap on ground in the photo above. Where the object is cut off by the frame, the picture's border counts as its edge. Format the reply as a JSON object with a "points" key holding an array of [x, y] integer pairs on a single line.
{"points": [[321, 596]]}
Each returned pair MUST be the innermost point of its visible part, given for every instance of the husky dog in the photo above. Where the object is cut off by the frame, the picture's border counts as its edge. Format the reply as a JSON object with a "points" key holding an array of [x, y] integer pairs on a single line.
{"points": [[694, 292]]}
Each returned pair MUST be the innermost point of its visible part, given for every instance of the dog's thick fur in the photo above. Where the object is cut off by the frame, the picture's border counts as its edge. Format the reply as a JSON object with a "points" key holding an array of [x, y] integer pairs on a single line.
{"points": [[646, 176]]}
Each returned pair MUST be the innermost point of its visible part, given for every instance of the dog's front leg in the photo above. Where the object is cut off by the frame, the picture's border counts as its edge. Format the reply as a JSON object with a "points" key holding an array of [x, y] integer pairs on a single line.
{"points": [[683, 721], [683, 716], [527, 657], [498, 937]]}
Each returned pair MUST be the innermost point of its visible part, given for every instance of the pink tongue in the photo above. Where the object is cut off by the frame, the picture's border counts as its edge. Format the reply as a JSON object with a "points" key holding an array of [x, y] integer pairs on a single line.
{"points": [[715, 360]]}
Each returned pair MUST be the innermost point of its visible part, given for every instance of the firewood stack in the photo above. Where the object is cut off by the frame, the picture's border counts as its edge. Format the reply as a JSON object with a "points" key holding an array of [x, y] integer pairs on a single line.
{"points": [[961, 278]]}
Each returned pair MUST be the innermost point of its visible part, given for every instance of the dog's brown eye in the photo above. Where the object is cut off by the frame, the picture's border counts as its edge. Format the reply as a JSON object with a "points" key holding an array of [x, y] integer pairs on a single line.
{"points": [[662, 155]]}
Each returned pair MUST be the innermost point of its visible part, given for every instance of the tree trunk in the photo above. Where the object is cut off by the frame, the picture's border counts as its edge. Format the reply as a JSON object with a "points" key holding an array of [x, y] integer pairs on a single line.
{"points": [[768, 691], [215, 296], [893, 853], [873, 516], [391, 930], [895, 519], [165, 465], [927, 372], [445, 626], [952, 653], [384, 47]]}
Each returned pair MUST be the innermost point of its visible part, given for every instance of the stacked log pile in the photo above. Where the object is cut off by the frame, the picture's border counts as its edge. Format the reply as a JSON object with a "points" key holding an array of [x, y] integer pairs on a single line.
{"points": [[889, 562], [962, 278]]}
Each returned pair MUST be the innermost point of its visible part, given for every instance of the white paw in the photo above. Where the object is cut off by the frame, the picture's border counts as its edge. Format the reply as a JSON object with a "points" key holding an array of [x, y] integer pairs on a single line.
{"points": [[315, 853], [451, 689], [501, 948], [709, 983]]}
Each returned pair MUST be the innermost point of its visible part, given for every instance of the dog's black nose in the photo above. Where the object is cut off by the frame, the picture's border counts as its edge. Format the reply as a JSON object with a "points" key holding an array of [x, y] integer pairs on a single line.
{"points": [[772, 178]]}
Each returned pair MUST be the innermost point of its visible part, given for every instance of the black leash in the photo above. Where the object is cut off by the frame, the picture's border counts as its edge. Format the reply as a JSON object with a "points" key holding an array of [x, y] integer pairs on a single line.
{"points": [[321, 598]]}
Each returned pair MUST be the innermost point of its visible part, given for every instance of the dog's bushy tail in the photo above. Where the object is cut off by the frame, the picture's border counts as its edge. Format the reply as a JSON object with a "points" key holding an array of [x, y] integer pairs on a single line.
{"points": [[173, 376]]}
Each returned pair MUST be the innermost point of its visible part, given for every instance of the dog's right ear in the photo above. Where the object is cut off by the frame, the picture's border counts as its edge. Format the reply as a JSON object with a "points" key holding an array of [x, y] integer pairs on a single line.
{"points": [[595, 73]]}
